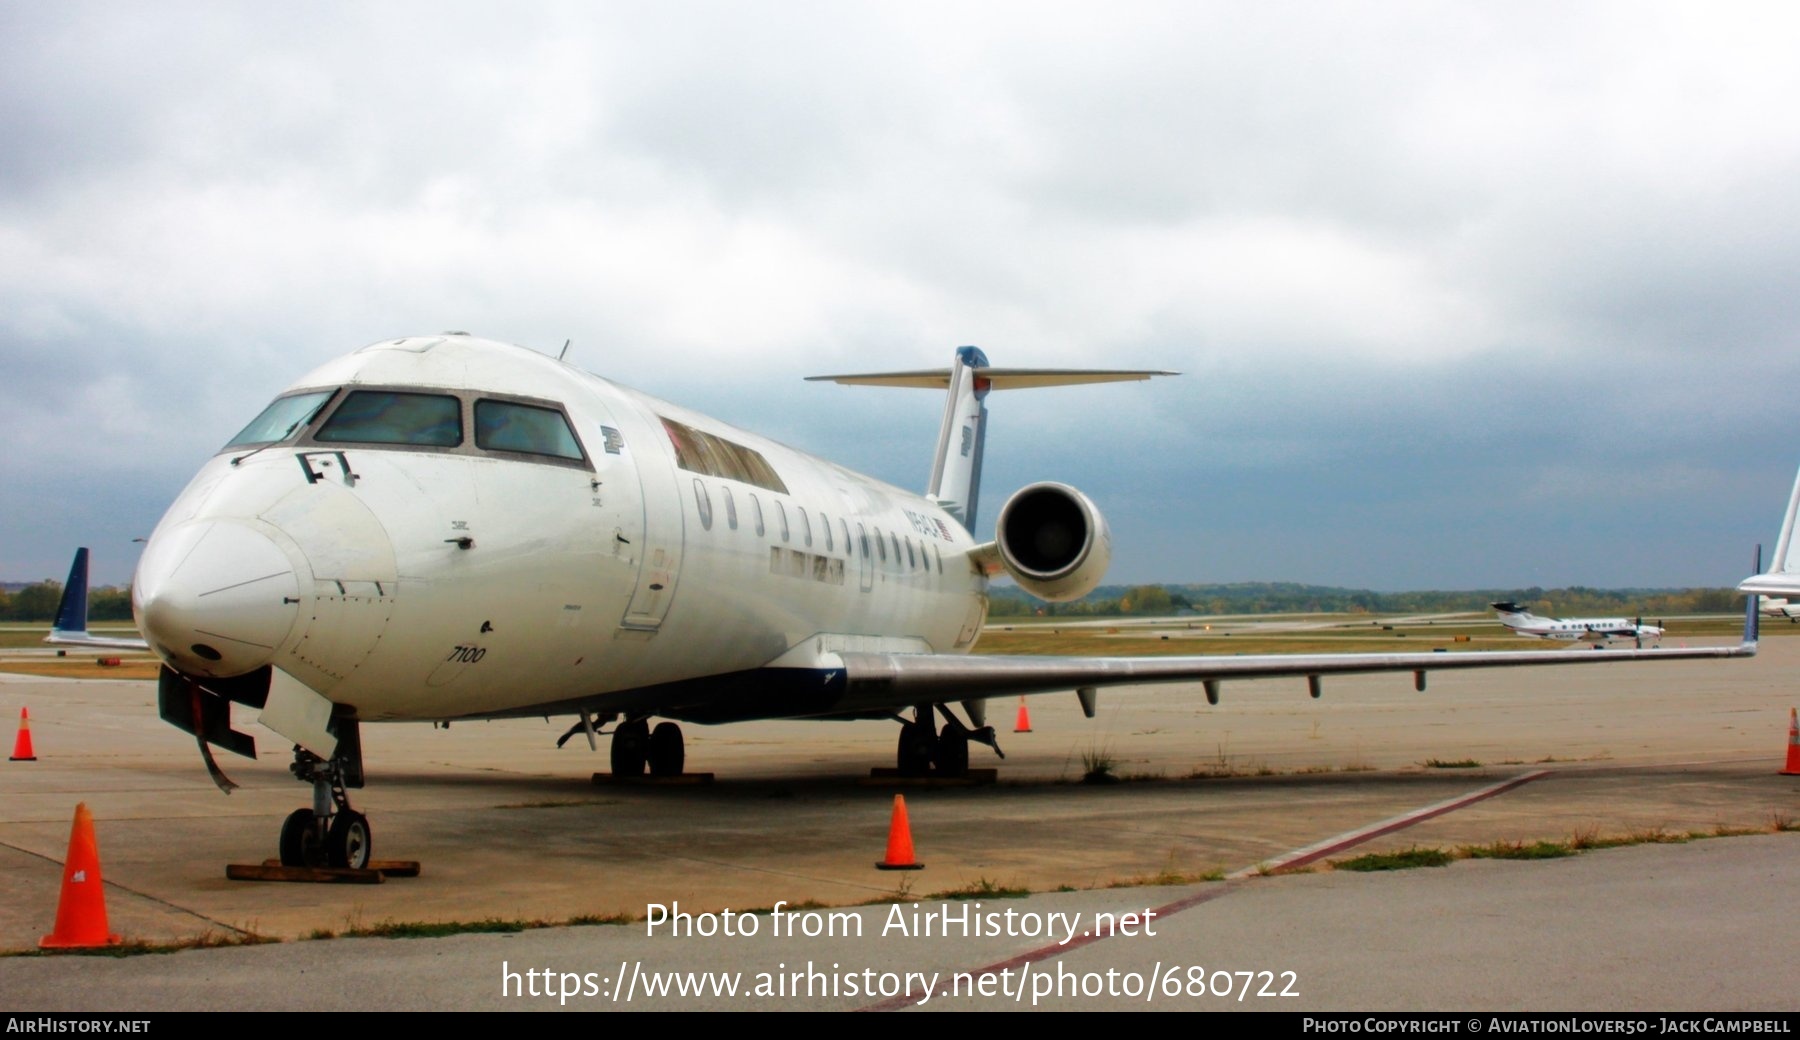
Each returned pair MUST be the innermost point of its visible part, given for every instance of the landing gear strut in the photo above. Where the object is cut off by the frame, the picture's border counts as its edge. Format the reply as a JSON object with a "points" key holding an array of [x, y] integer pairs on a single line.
{"points": [[330, 834]]}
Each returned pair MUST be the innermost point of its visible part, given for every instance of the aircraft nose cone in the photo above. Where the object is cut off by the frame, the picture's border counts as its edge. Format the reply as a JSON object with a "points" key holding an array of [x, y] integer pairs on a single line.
{"points": [[215, 598]]}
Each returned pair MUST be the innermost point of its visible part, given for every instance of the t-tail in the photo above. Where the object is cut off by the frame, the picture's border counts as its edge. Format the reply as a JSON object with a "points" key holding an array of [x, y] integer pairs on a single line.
{"points": [[956, 467]]}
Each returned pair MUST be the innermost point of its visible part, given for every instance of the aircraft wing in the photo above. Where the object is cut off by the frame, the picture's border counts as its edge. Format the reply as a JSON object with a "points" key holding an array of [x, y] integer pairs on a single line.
{"points": [[70, 628], [876, 680]]}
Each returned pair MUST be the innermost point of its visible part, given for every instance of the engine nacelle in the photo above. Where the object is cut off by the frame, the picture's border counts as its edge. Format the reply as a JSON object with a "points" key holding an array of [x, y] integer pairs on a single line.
{"points": [[1053, 541]]}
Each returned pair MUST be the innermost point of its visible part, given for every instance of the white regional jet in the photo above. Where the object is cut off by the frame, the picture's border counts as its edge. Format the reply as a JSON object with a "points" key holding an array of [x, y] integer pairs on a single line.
{"points": [[444, 527], [1598, 629]]}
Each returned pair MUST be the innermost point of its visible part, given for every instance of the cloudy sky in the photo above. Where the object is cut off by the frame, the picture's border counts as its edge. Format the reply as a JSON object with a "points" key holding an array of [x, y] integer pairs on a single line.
{"points": [[1463, 295]]}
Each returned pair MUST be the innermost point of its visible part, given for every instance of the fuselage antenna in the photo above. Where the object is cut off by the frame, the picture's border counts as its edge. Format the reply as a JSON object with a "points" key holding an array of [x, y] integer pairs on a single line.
{"points": [[565, 349]]}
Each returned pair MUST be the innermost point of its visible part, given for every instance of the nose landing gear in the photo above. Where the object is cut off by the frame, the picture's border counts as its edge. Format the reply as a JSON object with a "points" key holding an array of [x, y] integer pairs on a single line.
{"points": [[330, 834]]}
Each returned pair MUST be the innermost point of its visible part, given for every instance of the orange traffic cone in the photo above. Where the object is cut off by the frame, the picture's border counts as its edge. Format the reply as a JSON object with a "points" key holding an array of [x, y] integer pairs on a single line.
{"points": [[22, 746], [1023, 725], [1793, 759], [899, 849], [81, 911]]}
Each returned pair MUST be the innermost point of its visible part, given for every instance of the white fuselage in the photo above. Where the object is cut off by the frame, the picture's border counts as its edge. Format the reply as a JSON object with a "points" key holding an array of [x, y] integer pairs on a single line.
{"points": [[407, 581], [1777, 606]]}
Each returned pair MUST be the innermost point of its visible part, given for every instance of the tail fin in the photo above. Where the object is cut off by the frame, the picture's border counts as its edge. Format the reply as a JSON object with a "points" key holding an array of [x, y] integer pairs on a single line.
{"points": [[71, 613], [70, 627], [1783, 576], [956, 468]]}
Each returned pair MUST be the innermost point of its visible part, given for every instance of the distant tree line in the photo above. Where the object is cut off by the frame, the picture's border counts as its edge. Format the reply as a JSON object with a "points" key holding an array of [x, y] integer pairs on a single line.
{"points": [[1290, 598], [37, 602]]}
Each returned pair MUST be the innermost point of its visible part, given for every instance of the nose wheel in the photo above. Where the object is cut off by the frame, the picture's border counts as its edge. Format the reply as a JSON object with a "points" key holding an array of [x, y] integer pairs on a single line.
{"points": [[330, 833]]}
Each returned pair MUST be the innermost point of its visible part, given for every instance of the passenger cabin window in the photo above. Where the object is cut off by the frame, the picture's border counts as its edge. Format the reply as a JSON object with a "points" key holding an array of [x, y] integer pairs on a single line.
{"points": [[825, 522], [781, 514], [712, 455], [805, 525], [880, 546], [393, 417], [730, 508], [524, 428], [703, 502], [279, 421], [756, 513]]}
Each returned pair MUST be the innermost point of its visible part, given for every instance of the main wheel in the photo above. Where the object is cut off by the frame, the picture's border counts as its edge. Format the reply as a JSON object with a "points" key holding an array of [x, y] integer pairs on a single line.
{"points": [[300, 845], [630, 747], [918, 745], [347, 843], [667, 754], [953, 752]]}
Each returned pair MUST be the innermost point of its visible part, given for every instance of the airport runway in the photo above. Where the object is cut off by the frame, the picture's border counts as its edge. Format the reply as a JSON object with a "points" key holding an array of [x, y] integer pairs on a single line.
{"points": [[509, 828]]}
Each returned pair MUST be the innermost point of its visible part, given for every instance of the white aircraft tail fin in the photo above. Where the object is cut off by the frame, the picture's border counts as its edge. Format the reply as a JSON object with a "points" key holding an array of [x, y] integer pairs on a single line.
{"points": [[1782, 579], [1786, 561], [956, 467], [1511, 614]]}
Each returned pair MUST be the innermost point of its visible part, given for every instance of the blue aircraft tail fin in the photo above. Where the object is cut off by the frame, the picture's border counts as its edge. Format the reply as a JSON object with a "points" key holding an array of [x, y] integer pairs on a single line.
{"points": [[72, 612]]}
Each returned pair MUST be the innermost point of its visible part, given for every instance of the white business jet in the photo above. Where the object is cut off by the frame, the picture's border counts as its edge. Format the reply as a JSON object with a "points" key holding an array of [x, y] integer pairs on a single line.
{"points": [[444, 527], [1594, 629]]}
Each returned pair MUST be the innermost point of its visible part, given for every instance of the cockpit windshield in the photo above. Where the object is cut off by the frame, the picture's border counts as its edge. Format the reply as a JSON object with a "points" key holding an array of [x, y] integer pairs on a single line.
{"points": [[392, 417], [507, 426], [279, 421]]}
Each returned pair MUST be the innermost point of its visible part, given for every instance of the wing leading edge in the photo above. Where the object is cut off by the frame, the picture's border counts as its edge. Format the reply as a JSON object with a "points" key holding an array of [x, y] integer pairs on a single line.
{"points": [[874, 681]]}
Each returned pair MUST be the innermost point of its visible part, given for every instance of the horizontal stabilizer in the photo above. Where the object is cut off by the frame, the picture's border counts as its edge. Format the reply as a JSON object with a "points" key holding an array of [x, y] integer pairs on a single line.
{"points": [[956, 465], [997, 378]]}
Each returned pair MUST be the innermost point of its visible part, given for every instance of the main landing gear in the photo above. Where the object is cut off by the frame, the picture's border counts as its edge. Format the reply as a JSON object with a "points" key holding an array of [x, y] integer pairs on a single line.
{"points": [[923, 750], [635, 747], [330, 834]]}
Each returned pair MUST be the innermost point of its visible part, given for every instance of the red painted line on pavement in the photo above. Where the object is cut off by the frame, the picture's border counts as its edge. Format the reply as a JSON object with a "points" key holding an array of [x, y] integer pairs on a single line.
{"points": [[1330, 846]]}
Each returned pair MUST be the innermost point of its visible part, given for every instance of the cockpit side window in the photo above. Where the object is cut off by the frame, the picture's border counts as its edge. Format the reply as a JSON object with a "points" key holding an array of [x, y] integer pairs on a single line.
{"points": [[279, 421], [394, 417], [506, 426]]}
